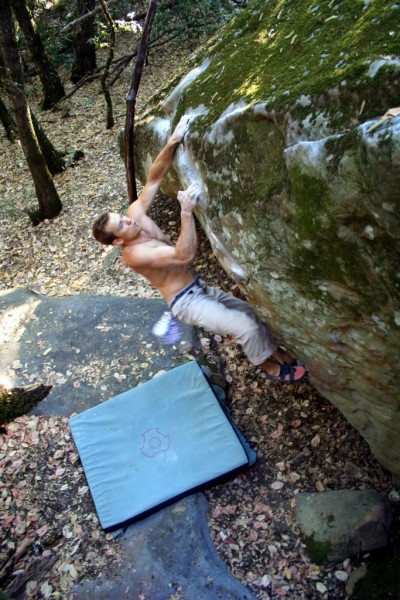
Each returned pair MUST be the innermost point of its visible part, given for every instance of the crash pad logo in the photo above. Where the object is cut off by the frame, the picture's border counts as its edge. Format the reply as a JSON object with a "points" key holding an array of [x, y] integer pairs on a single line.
{"points": [[154, 442]]}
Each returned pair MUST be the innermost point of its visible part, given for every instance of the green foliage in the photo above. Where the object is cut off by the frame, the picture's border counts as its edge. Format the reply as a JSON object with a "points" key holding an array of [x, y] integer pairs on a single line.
{"points": [[49, 17], [192, 19], [181, 19]]}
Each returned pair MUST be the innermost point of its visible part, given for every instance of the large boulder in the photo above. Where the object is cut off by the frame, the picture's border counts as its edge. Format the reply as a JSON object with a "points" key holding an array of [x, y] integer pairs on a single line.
{"points": [[301, 180]]}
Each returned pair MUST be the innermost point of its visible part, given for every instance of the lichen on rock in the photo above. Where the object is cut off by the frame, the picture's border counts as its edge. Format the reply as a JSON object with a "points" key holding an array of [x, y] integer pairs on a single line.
{"points": [[301, 185]]}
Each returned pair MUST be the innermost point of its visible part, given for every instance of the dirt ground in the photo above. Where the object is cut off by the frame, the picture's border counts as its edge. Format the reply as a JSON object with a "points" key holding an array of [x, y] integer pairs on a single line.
{"points": [[303, 442]]}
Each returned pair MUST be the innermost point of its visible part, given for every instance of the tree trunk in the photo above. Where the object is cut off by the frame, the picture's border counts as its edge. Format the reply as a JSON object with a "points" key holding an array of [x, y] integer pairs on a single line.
{"points": [[131, 102], [6, 117], [7, 122], [84, 47], [48, 199], [106, 90], [53, 158], [53, 89]]}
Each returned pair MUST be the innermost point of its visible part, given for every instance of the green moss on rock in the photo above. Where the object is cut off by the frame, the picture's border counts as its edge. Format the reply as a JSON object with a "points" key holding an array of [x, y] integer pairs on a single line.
{"points": [[294, 48], [382, 582], [301, 192], [318, 551]]}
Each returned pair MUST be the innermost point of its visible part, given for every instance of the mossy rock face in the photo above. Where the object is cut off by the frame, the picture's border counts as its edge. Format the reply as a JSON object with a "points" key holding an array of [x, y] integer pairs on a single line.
{"points": [[301, 185], [382, 582]]}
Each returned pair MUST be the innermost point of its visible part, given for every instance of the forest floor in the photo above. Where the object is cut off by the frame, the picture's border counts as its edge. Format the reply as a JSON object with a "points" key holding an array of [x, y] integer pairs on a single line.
{"points": [[303, 442]]}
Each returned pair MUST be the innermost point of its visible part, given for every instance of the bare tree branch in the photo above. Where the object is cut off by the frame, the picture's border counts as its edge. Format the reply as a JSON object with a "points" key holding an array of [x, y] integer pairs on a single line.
{"points": [[104, 87], [160, 41], [79, 20], [131, 102], [119, 64], [80, 83], [122, 62], [138, 17]]}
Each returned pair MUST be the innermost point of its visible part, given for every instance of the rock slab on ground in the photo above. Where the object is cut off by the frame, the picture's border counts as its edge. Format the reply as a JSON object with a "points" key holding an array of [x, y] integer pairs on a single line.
{"points": [[169, 555], [89, 348], [89, 340]]}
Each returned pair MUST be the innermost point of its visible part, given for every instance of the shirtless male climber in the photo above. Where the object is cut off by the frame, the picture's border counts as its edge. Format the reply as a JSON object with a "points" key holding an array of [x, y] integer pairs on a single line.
{"points": [[147, 250]]}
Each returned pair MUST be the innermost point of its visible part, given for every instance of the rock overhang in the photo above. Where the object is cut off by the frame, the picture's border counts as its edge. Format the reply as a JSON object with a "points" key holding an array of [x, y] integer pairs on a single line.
{"points": [[301, 185]]}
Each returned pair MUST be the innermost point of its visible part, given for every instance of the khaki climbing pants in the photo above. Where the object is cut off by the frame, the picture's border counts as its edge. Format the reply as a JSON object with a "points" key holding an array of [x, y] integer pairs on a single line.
{"points": [[218, 312]]}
